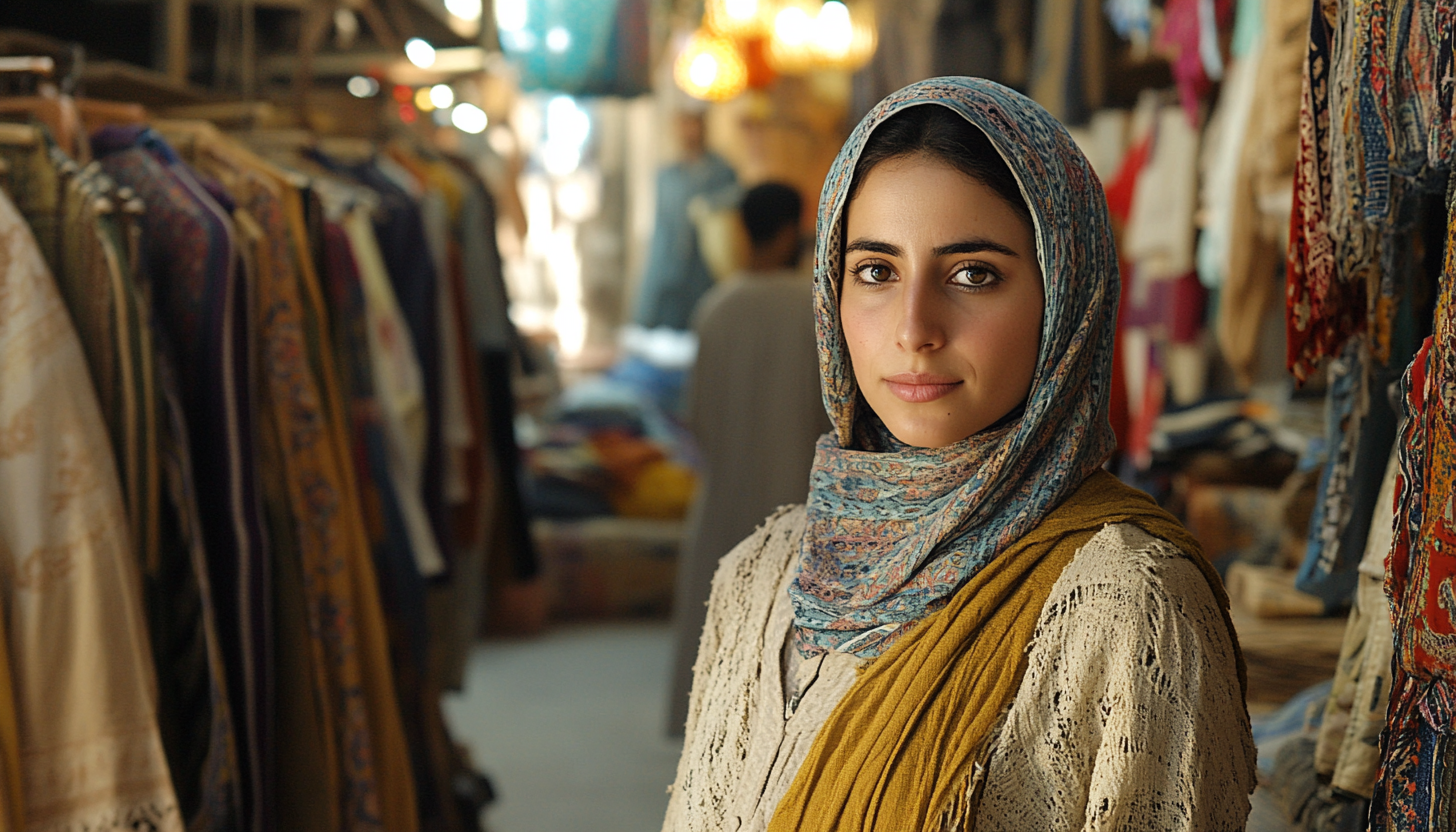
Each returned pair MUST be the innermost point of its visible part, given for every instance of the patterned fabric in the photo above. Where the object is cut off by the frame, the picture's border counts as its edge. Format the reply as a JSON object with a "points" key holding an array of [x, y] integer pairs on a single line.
{"points": [[1414, 791], [906, 747], [334, 679], [90, 749], [184, 244], [1328, 570], [402, 588], [200, 307], [1375, 125], [1320, 307], [893, 530]]}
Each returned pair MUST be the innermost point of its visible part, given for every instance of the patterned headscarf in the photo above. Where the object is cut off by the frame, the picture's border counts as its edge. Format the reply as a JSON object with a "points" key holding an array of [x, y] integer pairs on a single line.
{"points": [[893, 530]]}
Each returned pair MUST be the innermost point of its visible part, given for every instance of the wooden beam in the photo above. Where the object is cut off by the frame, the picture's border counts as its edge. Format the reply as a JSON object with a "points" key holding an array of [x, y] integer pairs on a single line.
{"points": [[178, 28]]}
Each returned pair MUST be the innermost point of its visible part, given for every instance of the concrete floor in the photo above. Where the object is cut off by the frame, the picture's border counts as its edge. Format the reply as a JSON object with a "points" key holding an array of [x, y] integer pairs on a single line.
{"points": [[568, 726]]}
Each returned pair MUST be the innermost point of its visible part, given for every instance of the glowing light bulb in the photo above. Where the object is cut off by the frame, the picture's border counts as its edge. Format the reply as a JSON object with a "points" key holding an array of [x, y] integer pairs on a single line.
{"points": [[792, 26], [469, 118], [558, 40], [464, 9], [420, 53], [362, 86], [741, 10], [835, 30], [703, 70], [710, 67], [511, 15], [442, 96]]}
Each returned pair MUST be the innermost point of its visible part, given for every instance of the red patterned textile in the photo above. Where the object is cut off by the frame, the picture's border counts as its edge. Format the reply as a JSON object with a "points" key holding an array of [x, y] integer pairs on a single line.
{"points": [[1322, 309]]}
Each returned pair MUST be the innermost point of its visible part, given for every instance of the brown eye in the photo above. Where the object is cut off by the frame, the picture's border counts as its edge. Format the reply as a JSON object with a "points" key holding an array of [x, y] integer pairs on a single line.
{"points": [[874, 273], [974, 277]]}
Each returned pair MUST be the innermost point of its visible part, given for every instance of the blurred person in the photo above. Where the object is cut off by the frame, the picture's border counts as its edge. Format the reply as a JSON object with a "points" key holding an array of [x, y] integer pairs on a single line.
{"points": [[970, 624], [676, 277], [753, 404]]}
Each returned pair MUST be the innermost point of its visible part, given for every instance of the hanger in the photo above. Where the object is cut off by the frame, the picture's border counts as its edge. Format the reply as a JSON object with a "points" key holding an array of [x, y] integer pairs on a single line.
{"points": [[46, 104]]}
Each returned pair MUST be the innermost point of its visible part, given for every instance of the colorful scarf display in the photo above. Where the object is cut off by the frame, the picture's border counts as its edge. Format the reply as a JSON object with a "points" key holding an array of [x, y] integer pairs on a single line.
{"points": [[1414, 788], [893, 530]]}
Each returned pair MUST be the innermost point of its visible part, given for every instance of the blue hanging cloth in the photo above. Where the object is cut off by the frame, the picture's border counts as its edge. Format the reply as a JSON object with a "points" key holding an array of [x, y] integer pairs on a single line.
{"points": [[582, 47]]}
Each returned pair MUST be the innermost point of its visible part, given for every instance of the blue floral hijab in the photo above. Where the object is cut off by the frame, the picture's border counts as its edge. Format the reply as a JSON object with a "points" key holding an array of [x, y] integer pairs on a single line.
{"points": [[893, 530]]}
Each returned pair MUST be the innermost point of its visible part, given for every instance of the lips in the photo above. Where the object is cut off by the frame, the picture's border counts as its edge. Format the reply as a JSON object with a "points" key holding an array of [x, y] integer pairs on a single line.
{"points": [[918, 388]]}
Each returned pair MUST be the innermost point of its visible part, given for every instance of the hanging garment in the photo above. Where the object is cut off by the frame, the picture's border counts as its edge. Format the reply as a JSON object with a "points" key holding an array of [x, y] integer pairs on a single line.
{"points": [[441, 201], [1223, 148], [1263, 183], [101, 272], [347, 765], [1322, 306], [1160, 231], [1416, 764], [1348, 751], [184, 240], [399, 391], [481, 307], [400, 231], [1068, 71], [496, 348], [901, 56], [1190, 33], [1328, 569], [402, 587], [91, 259], [201, 307], [84, 688]]}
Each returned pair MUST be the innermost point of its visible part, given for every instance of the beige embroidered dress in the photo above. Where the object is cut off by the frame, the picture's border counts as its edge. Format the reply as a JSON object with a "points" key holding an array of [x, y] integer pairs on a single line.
{"points": [[89, 749], [1129, 716]]}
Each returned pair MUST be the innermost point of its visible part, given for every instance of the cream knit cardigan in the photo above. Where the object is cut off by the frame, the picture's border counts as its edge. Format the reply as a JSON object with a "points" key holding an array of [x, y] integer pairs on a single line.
{"points": [[1129, 716]]}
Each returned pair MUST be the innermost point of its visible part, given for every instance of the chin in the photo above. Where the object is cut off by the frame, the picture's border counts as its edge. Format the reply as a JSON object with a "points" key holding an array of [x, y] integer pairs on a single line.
{"points": [[919, 437]]}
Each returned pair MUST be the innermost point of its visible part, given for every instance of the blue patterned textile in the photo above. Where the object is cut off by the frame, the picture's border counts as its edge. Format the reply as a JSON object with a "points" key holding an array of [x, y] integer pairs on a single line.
{"points": [[893, 531]]}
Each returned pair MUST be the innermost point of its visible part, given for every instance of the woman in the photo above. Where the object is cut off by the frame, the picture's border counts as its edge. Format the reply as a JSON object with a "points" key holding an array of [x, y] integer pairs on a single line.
{"points": [[970, 625]]}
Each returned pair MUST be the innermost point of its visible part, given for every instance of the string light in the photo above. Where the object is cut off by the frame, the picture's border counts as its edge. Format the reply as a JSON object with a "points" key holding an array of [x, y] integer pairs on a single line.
{"points": [[420, 53], [469, 118], [362, 86]]}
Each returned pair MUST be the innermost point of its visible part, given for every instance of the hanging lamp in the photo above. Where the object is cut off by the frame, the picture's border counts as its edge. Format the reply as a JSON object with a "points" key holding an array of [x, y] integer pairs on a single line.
{"points": [[710, 67]]}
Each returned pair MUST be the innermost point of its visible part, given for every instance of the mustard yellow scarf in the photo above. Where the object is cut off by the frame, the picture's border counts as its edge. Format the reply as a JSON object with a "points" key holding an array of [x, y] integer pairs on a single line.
{"points": [[897, 753]]}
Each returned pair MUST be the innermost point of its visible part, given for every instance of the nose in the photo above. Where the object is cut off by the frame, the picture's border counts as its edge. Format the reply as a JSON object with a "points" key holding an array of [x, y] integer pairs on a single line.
{"points": [[921, 328]]}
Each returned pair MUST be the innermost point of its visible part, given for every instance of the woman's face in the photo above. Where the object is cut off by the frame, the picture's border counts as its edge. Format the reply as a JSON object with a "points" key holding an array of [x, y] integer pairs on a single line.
{"points": [[941, 301]]}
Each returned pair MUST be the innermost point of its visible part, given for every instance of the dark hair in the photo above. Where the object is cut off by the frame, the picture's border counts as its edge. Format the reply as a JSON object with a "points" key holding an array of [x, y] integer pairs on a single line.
{"points": [[769, 208], [944, 135]]}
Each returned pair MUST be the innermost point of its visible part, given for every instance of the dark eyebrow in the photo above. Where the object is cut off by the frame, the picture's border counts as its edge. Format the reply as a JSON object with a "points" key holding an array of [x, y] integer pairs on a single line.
{"points": [[873, 246], [974, 245]]}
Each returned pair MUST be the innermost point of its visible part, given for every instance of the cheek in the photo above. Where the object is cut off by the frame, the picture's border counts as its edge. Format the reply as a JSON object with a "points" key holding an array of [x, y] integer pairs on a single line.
{"points": [[858, 334], [1020, 340]]}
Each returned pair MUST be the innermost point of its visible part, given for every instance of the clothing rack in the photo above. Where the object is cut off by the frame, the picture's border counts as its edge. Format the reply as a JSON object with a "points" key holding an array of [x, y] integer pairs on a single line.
{"points": [[293, 233]]}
